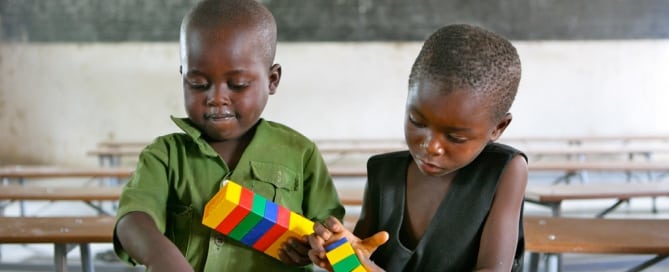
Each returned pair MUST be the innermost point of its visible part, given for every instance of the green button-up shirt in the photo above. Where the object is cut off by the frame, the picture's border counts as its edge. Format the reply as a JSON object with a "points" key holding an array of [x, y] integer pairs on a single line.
{"points": [[178, 173]]}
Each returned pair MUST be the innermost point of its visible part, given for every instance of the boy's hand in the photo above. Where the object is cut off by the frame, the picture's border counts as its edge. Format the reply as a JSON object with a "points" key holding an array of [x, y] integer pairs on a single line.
{"points": [[295, 251], [333, 230], [368, 264]]}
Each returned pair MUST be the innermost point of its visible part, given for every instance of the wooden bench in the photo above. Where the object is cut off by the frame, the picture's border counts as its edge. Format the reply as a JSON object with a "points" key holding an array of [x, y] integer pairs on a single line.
{"points": [[552, 196], [63, 232], [558, 235], [88, 195], [577, 140], [573, 168], [22, 173]]}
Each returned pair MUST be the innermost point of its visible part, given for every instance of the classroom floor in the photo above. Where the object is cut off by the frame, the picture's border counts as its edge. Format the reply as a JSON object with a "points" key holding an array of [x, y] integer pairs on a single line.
{"points": [[39, 257]]}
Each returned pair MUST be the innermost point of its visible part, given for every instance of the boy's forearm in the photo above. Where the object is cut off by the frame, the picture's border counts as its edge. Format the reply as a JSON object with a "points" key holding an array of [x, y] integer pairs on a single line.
{"points": [[140, 237]]}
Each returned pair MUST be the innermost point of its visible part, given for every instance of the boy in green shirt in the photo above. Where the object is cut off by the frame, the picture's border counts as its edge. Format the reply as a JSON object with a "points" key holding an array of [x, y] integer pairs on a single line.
{"points": [[227, 62]]}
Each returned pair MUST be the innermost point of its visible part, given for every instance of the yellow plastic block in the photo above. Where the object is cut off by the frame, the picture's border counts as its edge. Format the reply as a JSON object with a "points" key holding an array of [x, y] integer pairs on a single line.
{"points": [[220, 206], [339, 253], [299, 226], [360, 268]]}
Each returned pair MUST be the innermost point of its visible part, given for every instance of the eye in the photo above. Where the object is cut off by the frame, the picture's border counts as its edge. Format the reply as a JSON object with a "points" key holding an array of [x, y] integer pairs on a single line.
{"points": [[415, 122], [238, 85], [456, 139], [197, 84]]}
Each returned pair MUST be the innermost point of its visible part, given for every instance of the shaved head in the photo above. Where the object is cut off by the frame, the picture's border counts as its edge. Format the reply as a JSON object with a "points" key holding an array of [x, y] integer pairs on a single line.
{"points": [[231, 15], [473, 57]]}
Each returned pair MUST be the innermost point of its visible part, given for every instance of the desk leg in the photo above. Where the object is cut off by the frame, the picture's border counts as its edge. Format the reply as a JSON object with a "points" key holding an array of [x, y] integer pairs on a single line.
{"points": [[648, 263], [553, 262], [22, 204], [534, 262], [555, 209], [60, 257], [86, 259], [613, 207]]}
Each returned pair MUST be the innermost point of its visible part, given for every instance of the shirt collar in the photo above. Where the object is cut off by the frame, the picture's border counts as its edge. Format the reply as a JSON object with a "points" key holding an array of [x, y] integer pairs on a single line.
{"points": [[191, 130]]}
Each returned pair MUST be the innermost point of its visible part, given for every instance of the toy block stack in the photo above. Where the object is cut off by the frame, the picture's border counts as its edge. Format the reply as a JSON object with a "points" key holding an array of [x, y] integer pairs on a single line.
{"points": [[253, 220], [342, 257], [262, 224]]}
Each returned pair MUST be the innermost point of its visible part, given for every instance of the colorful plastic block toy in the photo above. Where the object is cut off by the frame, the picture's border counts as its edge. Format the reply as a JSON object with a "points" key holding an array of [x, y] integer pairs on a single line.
{"points": [[342, 257], [262, 224]]}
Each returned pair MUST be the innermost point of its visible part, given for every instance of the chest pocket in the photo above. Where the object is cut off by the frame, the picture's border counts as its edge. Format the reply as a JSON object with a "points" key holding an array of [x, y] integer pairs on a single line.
{"points": [[277, 183]]}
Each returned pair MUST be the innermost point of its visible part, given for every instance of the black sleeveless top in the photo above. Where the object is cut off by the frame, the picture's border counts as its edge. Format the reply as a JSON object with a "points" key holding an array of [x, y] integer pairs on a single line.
{"points": [[451, 240]]}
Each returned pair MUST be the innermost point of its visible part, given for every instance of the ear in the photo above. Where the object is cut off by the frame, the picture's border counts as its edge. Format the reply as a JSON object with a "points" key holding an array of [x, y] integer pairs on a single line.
{"points": [[274, 77], [501, 126]]}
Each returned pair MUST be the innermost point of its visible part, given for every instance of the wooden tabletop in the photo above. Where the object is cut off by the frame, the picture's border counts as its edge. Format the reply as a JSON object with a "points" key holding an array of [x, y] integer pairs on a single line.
{"points": [[61, 172], [351, 195], [594, 150], [14, 192], [560, 192], [590, 235], [584, 138], [56, 229], [598, 166], [348, 196]]}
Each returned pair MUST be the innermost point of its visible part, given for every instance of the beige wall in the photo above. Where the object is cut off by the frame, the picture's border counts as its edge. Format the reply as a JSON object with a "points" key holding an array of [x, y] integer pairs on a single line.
{"points": [[58, 100]]}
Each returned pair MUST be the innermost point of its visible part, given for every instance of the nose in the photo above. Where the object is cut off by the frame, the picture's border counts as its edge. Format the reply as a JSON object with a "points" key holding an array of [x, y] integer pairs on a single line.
{"points": [[219, 96], [434, 146]]}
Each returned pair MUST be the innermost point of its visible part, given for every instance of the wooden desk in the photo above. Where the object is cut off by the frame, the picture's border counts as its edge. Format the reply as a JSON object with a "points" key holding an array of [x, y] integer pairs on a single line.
{"points": [[88, 195], [111, 156], [21, 173], [572, 168], [351, 196], [581, 139], [60, 231], [26, 172], [552, 196], [555, 235], [581, 153]]}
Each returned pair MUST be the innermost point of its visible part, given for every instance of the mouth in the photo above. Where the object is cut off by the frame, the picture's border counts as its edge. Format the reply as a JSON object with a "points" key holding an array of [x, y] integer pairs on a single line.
{"points": [[219, 115], [429, 167]]}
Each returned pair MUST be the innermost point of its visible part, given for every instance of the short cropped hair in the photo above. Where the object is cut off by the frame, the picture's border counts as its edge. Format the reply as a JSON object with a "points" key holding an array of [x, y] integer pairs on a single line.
{"points": [[469, 56], [217, 13]]}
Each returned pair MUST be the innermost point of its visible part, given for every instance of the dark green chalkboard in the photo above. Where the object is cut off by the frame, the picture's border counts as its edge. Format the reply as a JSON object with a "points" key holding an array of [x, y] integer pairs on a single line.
{"points": [[341, 20]]}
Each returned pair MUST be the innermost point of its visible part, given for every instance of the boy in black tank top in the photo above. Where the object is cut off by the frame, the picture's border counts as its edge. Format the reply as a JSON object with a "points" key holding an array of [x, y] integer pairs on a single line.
{"points": [[453, 201]]}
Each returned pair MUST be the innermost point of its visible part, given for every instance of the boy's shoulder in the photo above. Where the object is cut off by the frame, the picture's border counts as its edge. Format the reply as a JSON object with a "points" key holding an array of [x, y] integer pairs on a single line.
{"points": [[388, 158], [281, 131], [500, 148]]}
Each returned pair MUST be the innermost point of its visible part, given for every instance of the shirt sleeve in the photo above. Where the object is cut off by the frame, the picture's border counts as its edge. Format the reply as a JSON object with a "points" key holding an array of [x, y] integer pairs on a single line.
{"points": [[146, 191], [320, 195]]}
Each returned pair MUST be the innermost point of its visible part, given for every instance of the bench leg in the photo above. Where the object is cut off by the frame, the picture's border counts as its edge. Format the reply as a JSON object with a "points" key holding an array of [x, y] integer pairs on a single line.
{"points": [[534, 262], [553, 262], [86, 259], [60, 257]]}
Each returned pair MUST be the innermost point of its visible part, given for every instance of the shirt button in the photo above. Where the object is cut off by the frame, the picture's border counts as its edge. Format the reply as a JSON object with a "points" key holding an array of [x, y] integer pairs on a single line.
{"points": [[218, 239]]}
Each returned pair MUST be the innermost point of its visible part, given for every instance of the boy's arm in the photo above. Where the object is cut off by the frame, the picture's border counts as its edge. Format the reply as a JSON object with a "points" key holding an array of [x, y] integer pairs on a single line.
{"points": [[500, 233], [320, 195], [140, 237]]}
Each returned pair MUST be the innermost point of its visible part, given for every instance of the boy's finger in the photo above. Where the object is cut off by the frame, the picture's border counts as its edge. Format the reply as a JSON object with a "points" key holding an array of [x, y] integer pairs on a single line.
{"points": [[333, 224], [371, 243], [299, 246], [316, 244], [319, 261], [293, 257], [322, 231]]}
